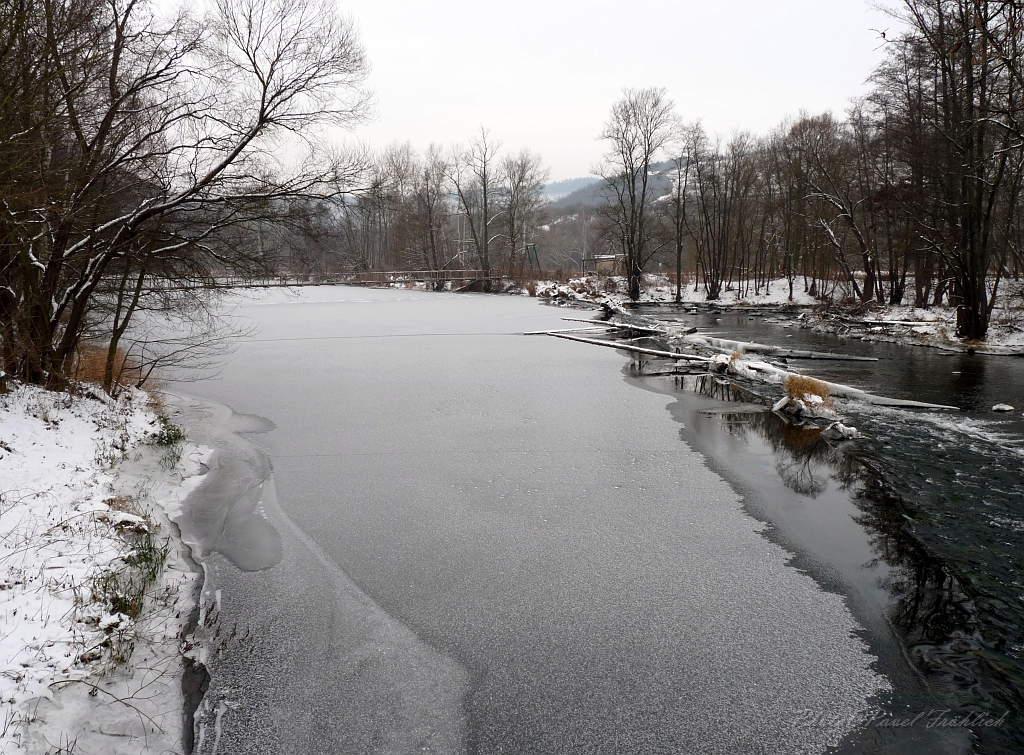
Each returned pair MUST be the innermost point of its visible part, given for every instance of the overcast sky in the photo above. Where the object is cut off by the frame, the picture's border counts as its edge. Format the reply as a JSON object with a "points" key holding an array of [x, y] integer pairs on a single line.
{"points": [[544, 74]]}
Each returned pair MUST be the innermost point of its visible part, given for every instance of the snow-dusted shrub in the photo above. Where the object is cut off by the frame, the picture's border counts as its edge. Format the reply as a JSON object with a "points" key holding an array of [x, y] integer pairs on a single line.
{"points": [[802, 387], [168, 434]]}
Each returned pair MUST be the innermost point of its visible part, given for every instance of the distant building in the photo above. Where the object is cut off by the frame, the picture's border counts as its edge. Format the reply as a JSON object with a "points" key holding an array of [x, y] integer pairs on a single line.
{"points": [[609, 264]]}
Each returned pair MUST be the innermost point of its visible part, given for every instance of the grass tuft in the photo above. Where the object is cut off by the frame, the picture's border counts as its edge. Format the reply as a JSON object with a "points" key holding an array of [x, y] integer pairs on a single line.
{"points": [[124, 587], [169, 433], [798, 386], [90, 363]]}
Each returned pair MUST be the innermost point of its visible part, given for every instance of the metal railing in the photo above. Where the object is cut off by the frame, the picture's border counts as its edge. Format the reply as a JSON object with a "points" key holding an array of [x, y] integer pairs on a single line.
{"points": [[398, 276]]}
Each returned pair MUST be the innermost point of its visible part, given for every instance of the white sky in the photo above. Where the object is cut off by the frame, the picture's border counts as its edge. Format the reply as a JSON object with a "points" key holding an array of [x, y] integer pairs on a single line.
{"points": [[544, 74]]}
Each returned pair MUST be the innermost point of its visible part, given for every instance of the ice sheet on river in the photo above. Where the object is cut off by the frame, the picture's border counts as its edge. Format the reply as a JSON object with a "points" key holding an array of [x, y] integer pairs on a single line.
{"points": [[539, 531]]}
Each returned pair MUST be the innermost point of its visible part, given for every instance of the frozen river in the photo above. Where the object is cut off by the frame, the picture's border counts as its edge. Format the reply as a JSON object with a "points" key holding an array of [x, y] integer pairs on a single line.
{"points": [[437, 535]]}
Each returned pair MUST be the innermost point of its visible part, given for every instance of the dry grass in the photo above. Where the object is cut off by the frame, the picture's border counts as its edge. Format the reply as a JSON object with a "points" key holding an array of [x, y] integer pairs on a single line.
{"points": [[155, 397], [798, 386], [91, 361], [584, 286], [531, 287], [123, 503]]}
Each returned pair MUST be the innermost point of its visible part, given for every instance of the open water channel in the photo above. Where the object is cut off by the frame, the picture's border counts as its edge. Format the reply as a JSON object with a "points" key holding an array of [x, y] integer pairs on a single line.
{"points": [[426, 532]]}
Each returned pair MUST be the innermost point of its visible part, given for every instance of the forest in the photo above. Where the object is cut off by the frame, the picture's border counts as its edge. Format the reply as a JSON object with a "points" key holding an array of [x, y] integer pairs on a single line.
{"points": [[145, 157], [912, 197]]}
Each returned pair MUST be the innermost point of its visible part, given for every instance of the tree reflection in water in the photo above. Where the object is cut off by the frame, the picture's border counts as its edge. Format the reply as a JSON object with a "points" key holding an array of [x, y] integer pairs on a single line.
{"points": [[960, 638]]}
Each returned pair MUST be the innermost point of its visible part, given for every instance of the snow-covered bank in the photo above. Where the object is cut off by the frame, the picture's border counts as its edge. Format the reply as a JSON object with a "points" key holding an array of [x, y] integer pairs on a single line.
{"points": [[934, 326], [95, 586], [659, 289]]}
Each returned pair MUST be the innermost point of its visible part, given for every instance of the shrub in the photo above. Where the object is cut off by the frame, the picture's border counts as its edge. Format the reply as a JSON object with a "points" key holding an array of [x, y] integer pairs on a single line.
{"points": [[124, 586], [798, 386], [169, 434]]}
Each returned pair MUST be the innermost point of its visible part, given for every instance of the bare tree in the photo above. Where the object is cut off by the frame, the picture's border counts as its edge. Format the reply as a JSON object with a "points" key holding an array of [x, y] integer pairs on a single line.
{"points": [[675, 205], [724, 180], [640, 125], [146, 137], [841, 182], [522, 178], [473, 174], [430, 192], [964, 136]]}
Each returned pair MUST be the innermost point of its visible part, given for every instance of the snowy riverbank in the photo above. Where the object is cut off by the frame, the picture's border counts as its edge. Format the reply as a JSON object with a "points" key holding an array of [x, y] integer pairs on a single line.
{"points": [[659, 289], [934, 326], [96, 588]]}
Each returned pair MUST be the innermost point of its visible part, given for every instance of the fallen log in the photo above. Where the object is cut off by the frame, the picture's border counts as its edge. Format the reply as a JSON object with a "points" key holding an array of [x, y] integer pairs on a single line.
{"points": [[566, 330], [845, 391], [779, 374], [619, 325], [742, 346], [823, 356], [906, 323], [627, 347], [725, 344]]}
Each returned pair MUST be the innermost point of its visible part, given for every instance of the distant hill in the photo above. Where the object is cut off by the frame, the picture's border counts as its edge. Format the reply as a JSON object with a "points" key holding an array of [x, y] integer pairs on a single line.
{"points": [[559, 189], [588, 192]]}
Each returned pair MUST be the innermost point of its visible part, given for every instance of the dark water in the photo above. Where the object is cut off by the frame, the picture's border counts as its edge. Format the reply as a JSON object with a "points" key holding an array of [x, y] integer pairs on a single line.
{"points": [[938, 500]]}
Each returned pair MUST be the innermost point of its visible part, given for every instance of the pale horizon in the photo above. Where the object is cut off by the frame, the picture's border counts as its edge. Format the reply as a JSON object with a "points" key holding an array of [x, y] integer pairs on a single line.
{"points": [[542, 76]]}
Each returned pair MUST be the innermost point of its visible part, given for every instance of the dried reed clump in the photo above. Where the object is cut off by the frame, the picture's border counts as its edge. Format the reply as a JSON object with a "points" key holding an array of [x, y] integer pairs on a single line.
{"points": [[684, 279], [798, 386], [90, 363], [155, 401], [531, 287]]}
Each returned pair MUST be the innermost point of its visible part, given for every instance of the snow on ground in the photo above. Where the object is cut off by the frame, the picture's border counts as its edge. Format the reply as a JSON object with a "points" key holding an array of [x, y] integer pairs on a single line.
{"points": [[934, 326], [95, 587], [659, 288]]}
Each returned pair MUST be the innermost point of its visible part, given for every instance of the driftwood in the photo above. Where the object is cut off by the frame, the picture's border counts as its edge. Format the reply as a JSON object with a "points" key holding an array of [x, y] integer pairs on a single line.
{"points": [[779, 375], [820, 355], [893, 322], [566, 330], [771, 372], [619, 325], [684, 371], [628, 347], [777, 351], [728, 345], [845, 391]]}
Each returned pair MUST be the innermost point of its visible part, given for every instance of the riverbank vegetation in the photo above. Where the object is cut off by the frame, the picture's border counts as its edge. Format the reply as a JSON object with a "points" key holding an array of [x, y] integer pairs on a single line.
{"points": [[913, 197], [97, 587], [148, 157], [140, 149]]}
